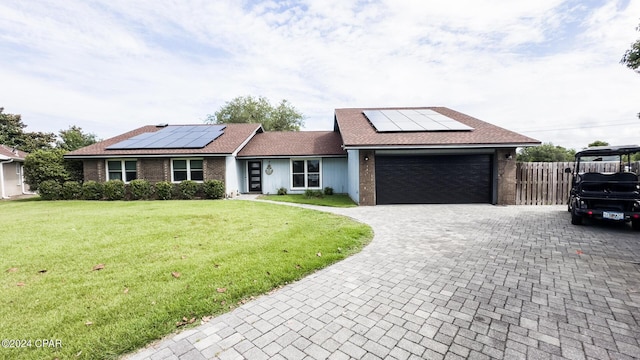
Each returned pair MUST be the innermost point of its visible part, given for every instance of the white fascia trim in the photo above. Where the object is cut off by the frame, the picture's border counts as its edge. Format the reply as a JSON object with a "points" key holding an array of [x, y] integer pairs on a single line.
{"points": [[435, 147], [171, 156], [290, 157], [244, 143]]}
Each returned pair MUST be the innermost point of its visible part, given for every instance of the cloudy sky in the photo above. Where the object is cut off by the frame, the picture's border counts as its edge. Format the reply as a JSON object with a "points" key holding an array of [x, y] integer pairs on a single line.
{"points": [[548, 69]]}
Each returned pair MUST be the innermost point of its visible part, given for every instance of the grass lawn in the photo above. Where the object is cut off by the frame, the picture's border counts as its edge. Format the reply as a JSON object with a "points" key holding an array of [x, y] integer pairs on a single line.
{"points": [[328, 200], [161, 261]]}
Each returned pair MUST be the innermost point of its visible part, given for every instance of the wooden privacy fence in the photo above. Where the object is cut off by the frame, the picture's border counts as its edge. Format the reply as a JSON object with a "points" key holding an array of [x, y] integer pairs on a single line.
{"points": [[546, 183]]}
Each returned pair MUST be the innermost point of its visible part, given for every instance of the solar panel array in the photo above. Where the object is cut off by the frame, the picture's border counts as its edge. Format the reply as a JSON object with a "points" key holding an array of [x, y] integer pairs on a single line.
{"points": [[173, 137], [412, 120]]}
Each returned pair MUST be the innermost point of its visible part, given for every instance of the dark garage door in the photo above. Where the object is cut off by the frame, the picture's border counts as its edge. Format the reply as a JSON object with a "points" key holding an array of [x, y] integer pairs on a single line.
{"points": [[442, 179]]}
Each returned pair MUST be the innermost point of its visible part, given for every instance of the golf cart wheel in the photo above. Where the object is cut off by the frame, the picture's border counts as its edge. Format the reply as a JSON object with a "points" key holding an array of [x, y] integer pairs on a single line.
{"points": [[575, 218]]}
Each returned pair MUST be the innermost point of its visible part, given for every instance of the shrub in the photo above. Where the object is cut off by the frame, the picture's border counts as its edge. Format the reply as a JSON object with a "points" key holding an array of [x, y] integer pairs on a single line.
{"points": [[282, 191], [188, 189], [213, 189], [71, 190], [328, 190], [164, 190], [50, 190], [313, 193], [43, 165], [140, 189], [114, 190], [92, 190]]}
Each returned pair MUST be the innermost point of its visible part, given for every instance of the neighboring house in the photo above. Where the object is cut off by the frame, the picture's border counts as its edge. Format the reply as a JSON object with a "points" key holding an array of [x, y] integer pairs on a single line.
{"points": [[11, 172], [376, 155]]}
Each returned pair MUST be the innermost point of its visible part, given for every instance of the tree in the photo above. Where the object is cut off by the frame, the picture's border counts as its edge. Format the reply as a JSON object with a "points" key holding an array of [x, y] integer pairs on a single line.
{"points": [[42, 165], [12, 134], [73, 139], [248, 109], [286, 118], [546, 153], [631, 57], [598, 143]]}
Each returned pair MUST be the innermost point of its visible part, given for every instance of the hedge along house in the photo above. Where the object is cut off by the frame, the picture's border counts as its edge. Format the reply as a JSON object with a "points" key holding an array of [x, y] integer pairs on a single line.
{"points": [[11, 172], [376, 155], [427, 155], [169, 153]]}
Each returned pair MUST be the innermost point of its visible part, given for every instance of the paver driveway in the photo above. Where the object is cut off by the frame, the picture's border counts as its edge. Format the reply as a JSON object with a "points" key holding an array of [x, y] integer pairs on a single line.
{"points": [[447, 281]]}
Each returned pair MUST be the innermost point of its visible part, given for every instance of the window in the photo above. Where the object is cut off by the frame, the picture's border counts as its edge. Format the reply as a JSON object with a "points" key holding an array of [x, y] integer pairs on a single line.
{"points": [[124, 170], [305, 174], [188, 169]]}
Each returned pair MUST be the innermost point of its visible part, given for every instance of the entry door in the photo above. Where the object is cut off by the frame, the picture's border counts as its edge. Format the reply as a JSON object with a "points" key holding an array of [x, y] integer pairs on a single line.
{"points": [[255, 176]]}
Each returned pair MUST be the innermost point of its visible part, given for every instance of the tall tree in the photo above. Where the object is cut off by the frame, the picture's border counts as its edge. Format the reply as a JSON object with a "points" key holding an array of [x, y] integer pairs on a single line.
{"points": [[11, 128], [249, 109], [546, 153], [598, 143], [12, 134], [74, 138], [631, 57], [43, 165], [286, 118]]}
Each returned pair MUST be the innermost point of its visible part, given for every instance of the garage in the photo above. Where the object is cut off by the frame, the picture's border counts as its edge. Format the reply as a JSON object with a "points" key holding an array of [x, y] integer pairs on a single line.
{"points": [[437, 179]]}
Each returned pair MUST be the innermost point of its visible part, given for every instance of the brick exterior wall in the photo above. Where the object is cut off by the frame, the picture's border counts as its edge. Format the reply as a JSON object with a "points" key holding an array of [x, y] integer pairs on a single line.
{"points": [[506, 186], [367, 178], [94, 170], [506, 176], [154, 170], [215, 168]]}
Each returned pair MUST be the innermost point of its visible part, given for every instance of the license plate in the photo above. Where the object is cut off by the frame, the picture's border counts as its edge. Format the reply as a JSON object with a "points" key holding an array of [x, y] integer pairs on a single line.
{"points": [[612, 215]]}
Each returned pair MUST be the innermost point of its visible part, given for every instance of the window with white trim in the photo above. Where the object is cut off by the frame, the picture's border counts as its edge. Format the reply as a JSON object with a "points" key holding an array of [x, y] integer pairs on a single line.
{"points": [[187, 169], [306, 174], [124, 170]]}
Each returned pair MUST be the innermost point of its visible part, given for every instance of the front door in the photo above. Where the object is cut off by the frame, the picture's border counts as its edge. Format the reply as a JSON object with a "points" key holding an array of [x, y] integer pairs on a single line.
{"points": [[255, 176]]}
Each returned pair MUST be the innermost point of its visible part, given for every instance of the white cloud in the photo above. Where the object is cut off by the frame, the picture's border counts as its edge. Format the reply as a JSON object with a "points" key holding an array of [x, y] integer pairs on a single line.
{"points": [[112, 66]]}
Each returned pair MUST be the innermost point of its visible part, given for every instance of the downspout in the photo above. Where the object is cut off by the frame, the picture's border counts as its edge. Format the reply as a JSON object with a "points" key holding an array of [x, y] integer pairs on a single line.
{"points": [[2, 191], [24, 191]]}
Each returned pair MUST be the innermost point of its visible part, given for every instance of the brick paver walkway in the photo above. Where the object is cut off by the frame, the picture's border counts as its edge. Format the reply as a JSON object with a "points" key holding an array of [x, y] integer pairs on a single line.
{"points": [[446, 282]]}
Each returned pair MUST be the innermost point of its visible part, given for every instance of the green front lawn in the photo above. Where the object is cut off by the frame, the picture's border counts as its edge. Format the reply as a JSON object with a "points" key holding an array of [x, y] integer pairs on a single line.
{"points": [[161, 262], [338, 200]]}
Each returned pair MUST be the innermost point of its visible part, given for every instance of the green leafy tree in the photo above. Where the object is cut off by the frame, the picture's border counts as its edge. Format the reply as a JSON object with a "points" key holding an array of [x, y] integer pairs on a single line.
{"points": [[546, 153], [74, 138], [44, 165], [285, 117], [249, 109], [598, 143], [631, 57], [12, 134], [11, 128]]}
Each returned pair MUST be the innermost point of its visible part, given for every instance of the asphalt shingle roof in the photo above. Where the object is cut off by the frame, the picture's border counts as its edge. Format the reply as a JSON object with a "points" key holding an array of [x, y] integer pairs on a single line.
{"points": [[356, 131], [234, 136], [10, 153], [294, 143]]}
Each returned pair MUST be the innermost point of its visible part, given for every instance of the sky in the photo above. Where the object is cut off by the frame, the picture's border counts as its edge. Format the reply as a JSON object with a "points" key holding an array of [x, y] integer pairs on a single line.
{"points": [[548, 69]]}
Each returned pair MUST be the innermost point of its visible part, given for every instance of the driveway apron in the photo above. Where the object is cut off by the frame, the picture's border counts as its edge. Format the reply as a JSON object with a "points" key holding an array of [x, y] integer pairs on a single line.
{"points": [[446, 282]]}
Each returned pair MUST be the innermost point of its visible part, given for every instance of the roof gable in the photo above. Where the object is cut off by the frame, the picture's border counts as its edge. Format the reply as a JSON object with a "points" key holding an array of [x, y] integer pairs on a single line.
{"points": [[357, 131]]}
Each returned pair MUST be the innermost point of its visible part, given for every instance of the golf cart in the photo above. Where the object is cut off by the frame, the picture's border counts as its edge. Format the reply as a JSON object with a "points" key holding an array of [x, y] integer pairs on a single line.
{"points": [[605, 185]]}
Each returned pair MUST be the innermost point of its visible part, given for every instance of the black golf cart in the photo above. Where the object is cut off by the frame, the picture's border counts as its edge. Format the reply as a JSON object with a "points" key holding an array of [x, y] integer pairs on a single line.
{"points": [[611, 194]]}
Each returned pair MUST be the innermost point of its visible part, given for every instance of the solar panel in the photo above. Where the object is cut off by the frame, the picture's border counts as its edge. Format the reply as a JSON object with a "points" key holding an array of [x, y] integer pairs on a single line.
{"points": [[173, 137], [412, 120]]}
